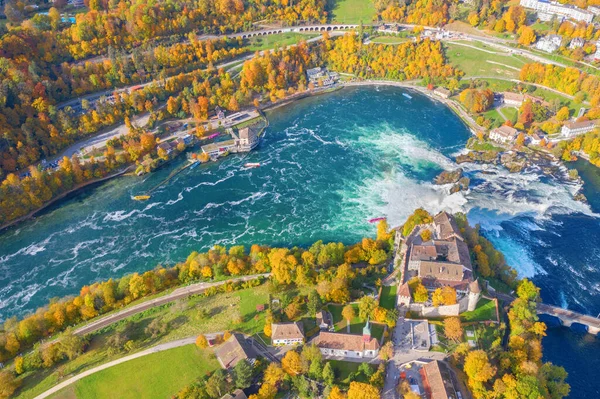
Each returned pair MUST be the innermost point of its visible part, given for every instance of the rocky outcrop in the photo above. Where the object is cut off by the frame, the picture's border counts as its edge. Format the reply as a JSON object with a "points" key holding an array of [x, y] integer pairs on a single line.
{"points": [[449, 176], [514, 161], [454, 177], [461, 185]]}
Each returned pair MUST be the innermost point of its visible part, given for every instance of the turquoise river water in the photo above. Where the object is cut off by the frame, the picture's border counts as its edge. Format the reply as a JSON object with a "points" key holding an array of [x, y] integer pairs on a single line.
{"points": [[328, 164]]}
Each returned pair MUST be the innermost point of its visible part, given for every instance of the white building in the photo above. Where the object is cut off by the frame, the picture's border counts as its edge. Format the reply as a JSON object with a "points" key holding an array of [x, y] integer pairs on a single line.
{"points": [[504, 134], [442, 92], [597, 53], [348, 345], [287, 333], [549, 43], [571, 128], [547, 10], [577, 42]]}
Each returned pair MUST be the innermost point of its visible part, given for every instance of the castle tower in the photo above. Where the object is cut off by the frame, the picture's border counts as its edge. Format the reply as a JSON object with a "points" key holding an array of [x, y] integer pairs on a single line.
{"points": [[367, 332], [474, 295]]}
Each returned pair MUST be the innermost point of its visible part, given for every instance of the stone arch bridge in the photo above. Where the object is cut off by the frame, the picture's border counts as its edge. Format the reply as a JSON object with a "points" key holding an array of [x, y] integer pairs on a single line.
{"points": [[569, 318], [297, 29]]}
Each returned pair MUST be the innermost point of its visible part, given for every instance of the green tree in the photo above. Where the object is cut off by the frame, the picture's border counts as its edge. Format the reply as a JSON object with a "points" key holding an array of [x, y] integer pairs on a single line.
{"points": [[328, 374], [216, 385], [366, 306], [243, 374], [314, 303]]}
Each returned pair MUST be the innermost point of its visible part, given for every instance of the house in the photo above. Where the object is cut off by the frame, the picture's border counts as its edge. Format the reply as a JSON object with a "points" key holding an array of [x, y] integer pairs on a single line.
{"points": [[438, 381], [577, 42], [442, 92], [549, 9], [536, 138], [348, 345], [237, 394], [287, 333], [248, 139], [513, 99], [504, 134], [572, 128], [166, 147], [324, 320], [597, 53], [549, 43], [235, 349]]}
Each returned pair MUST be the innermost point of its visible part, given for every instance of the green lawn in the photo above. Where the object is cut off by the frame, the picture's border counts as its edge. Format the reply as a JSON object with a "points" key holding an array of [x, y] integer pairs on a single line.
{"points": [[159, 375], [486, 310], [343, 370], [474, 61], [510, 113], [353, 11], [388, 296], [494, 116], [356, 324], [259, 43]]}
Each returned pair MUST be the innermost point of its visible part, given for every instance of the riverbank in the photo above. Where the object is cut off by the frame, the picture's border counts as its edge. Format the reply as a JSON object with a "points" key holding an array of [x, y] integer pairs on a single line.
{"points": [[81, 186]]}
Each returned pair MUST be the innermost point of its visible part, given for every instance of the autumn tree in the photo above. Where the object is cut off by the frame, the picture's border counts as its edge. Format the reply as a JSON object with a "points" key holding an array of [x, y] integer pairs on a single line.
{"points": [[348, 313], [453, 328], [478, 368], [292, 363], [201, 341], [360, 390], [526, 35]]}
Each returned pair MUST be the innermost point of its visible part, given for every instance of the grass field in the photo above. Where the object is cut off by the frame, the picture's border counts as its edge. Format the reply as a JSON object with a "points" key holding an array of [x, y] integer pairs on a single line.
{"points": [[510, 113], [343, 369], [494, 116], [227, 311], [486, 310], [159, 375], [475, 61], [388, 296], [260, 43], [353, 11]]}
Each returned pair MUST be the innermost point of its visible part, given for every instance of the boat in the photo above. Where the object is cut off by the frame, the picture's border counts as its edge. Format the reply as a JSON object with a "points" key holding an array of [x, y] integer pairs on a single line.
{"points": [[375, 220], [252, 165], [212, 136], [194, 164], [141, 197], [407, 95]]}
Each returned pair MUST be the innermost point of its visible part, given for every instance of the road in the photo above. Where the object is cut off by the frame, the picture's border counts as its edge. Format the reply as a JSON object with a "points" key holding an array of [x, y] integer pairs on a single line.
{"points": [[179, 293]]}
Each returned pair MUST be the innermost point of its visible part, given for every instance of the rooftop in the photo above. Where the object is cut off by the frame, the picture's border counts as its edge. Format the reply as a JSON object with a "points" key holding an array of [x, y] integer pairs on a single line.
{"points": [[233, 350], [349, 342], [438, 381], [293, 330]]}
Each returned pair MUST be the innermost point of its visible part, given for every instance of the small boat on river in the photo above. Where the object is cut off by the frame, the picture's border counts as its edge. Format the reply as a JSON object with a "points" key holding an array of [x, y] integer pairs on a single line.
{"points": [[407, 95], [194, 164], [252, 165], [212, 136], [141, 197], [375, 220]]}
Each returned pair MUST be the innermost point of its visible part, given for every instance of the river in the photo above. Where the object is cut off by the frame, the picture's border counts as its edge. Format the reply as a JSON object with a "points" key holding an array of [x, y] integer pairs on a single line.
{"points": [[328, 164]]}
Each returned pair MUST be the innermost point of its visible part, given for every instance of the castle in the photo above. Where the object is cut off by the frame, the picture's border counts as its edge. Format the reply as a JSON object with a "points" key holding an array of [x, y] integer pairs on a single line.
{"points": [[437, 254]]}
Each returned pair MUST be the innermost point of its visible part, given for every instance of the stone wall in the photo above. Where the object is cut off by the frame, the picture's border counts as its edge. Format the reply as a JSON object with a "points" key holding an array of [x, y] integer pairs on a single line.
{"points": [[436, 311]]}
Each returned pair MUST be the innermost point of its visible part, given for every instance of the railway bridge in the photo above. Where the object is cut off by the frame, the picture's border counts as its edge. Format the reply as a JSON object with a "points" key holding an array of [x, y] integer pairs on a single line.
{"points": [[298, 29]]}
